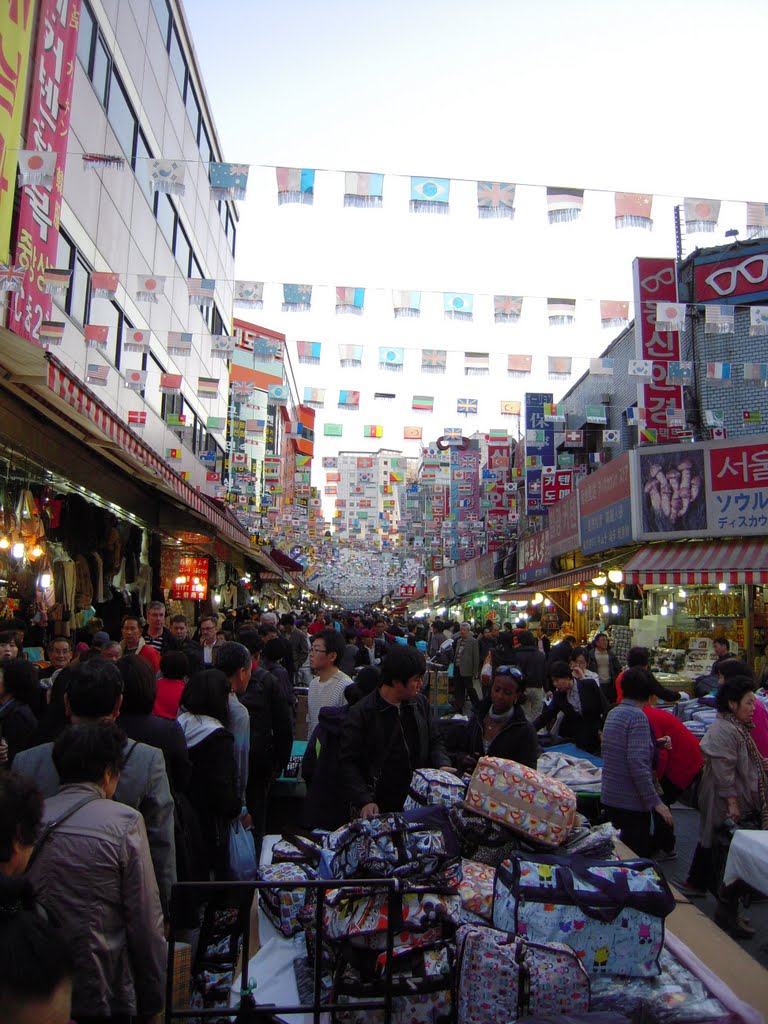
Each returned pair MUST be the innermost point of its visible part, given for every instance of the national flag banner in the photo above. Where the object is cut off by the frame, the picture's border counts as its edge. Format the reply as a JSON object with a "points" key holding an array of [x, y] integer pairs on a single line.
{"points": [[458, 305], [103, 161], [308, 352], [675, 416], [519, 365], [314, 397], [670, 316], [52, 332], [701, 214], [104, 285], [136, 341], [349, 399], [303, 460], [176, 420], [601, 367], [452, 435], [384, 396], [96, 335], [633, 210], [254, 426], [329, 462], [648, 435], [758, 321], [561, 312], [242, 390], [497, 435], [751, 416], [228, 180], [614, 313], [566, 459], [495, 199], [391, 358], [596, 458], [148, 288], [757, 220], [406, 304], [137, 419], [756, 371], [363, 189], [297, 298], [222, 346], [37, 167], [510, 408], [97, 373], [249, 294], [532, 461], [507, 309], [216, 423], [173, 454], [596, 414], [640, 368], [295, 185], [170, 383], [467, 406], [396, 476], [267, 349], [680, 371], [554, 413], [373, 430], [11, 278], [718, 433], [412, 433], [433, 360], [179, 343], [430, 195], [207, 387], [635, 416], [476, 364], [564, 204], [574, 439], [559, 366], [611, 437], [201, 291], [719, 319], [56, 280], [350, 300], [714, 417], [278, 394], [167, 176], [535, 436], [423, 403], [718, 371], [135, 380], [350, 355], [333, 429]]}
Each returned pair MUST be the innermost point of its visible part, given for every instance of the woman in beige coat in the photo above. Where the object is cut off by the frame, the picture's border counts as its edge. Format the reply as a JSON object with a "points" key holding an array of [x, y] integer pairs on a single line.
{"points": [[93, 872], [734, 785]]}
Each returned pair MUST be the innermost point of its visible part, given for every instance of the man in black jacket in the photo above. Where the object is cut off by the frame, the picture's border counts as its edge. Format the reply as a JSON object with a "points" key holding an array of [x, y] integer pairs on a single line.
{"points": [[582, 704], [533, 664], [387, 735]]}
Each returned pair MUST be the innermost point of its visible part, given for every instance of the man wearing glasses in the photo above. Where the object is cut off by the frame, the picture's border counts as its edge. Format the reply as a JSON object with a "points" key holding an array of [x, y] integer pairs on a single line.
{"points": [[326, 690], [210, 640]]}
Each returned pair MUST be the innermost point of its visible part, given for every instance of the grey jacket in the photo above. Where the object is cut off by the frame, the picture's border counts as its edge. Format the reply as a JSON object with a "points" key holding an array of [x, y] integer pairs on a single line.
{"points": [[143, 784], [728, 771], [468, 664], [94, 876], [299, 642]]}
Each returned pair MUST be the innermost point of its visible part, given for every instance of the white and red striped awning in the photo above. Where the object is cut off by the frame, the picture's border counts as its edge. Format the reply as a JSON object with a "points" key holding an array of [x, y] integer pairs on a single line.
{"points": [[704, 562]]}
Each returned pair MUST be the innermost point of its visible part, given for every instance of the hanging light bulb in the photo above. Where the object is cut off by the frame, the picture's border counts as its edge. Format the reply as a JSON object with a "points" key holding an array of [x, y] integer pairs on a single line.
{"points": [[615, 575], [600, 580], [45, 580], [584, 597], [722, 586], [594, 593], [17, 551], [547, 603], [664, 610], [579, 606], [4, 543], [614, 609], [36, 551]]}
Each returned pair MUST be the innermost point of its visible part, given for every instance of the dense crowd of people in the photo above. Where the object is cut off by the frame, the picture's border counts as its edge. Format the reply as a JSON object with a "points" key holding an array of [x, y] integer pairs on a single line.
{"points": [[126, 762]]}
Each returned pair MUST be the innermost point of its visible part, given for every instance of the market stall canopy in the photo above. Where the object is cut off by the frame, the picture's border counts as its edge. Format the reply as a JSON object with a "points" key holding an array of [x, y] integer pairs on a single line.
{"points": [[704, 562], [285, 561]]}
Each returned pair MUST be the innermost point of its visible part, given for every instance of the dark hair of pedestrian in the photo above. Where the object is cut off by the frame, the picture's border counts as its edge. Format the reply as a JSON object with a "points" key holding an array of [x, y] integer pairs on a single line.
{"points": [[83, 753], [559, 670], [526, 638], [250, 638], [728, 668], [35, 959], [366, 681], [139, 685], [733, 689], [333, 642], [93, 688], [174, 665], [401, 663], [232, 656], [207, 693], [640, 686], [274, 649], [638, 657], [20, 681], [723, 641], [21, 811]]}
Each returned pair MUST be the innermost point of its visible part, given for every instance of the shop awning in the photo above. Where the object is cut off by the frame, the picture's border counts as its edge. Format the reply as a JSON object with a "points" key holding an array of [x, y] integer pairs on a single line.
{"points": [[704, 562], [562, 581], [285, 561]]}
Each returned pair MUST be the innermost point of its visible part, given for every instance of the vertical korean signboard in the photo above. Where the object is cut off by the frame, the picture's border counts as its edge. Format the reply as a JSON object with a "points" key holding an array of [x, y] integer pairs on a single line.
{"points": [[539, 446], [655, 281], [47, 130], [16, 19]]}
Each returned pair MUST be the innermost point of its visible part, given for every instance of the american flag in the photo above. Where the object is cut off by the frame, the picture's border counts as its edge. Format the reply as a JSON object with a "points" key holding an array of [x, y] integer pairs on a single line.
{"points": [[179, 343], [97, 374], [201, 291]]}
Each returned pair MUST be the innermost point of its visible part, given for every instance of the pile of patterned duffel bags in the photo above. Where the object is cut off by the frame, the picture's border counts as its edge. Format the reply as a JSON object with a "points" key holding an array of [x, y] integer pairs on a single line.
{"points": [[491, 924]]}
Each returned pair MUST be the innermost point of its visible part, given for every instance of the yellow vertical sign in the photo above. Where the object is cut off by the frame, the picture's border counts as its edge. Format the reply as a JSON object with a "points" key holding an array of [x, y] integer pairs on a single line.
{"points": [[16, 20]]}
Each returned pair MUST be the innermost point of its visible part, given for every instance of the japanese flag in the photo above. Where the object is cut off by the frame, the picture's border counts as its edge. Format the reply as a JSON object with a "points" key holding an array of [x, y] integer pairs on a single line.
{"points": [[135, 379], [36, 167]]}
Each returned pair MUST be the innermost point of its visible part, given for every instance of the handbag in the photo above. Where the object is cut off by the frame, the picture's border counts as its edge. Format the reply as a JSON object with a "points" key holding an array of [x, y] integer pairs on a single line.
{"points": [[389, 846], [242, 854], [611, 913]]}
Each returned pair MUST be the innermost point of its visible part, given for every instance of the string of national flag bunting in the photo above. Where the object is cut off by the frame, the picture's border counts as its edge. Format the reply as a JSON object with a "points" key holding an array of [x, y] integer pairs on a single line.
{"points": [[362, 189]]}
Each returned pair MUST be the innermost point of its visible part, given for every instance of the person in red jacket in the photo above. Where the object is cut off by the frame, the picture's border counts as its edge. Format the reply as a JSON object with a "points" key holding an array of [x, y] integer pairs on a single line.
{"points": [[679, 762]]}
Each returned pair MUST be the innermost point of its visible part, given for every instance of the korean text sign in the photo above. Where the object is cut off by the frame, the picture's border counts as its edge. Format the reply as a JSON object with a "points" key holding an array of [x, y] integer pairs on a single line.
{"points": [[539, 443], [605, 507], [16, 20], [47, 130]]}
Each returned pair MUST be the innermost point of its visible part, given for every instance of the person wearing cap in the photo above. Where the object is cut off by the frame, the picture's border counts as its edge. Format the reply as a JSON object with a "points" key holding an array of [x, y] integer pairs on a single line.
{"points": [[577, 709], [498, 726]]}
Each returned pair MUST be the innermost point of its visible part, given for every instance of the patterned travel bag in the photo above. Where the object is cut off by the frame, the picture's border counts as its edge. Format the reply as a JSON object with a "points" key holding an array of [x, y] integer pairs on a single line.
{"points": [[283, 906], [501, 977], [611, 913], [433, 786], [476, 888], [529, 803], [292, 849]]}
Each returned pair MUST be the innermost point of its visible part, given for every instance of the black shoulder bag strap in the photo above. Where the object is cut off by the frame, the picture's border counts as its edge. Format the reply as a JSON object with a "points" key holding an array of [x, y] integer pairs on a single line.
{"points": [[51, 827]]}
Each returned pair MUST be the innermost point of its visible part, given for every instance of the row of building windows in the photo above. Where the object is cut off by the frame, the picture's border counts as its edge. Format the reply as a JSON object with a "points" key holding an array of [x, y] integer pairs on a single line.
{"points": [[97, 62]]}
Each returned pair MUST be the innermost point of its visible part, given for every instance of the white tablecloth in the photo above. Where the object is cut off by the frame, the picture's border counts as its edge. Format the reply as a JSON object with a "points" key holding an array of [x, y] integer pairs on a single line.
{"points": [[748, 860]]}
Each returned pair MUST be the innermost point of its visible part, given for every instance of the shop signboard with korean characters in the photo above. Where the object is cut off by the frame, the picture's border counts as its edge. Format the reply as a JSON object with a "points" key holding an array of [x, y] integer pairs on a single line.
{"points": [[564, 525], [534, 557], [711, 489], [605, 507]]}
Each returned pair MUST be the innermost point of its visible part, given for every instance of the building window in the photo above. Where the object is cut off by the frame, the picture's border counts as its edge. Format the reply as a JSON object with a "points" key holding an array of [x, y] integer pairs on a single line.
{"points": [[65, 256], [141, 166], [100, 69], [231, 231], [178, 64], [85, 37], [183, 250], [122, 117], [78, 291], [193, 108], [166, 216], [206, 151], [108, 314], [163, 15]]}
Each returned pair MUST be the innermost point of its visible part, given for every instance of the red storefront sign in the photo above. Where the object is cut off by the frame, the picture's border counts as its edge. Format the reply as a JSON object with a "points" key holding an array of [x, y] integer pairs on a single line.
{"points": [[47, 130], [192, 581], [556, 486], [656, 281], [734, 468], [727, 278]]}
